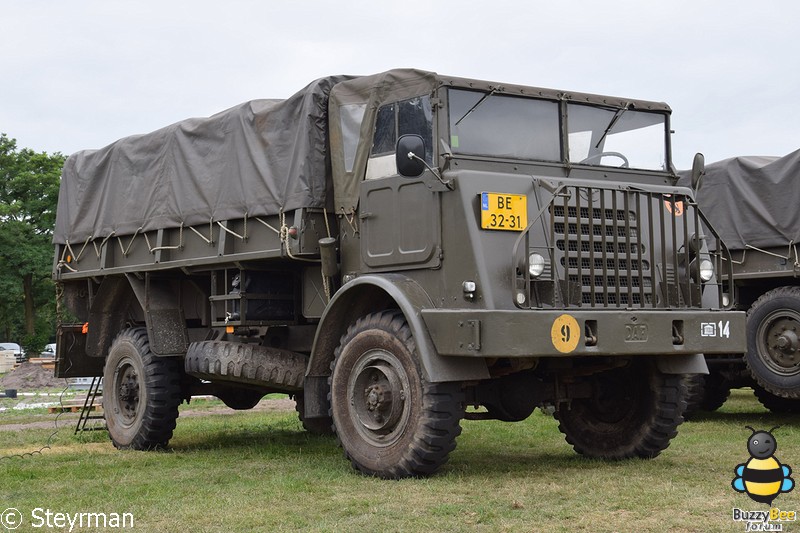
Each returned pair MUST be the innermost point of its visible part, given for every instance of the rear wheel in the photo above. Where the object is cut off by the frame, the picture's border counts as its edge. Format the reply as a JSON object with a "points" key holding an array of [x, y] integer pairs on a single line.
{"points": [[633, 412], [773, 341], [390, 422], [141, 393]]}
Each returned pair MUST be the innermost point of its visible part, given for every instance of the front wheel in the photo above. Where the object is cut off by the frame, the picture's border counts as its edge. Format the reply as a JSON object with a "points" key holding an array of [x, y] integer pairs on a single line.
{"points": [[633, 411], [141, 393], [390, 422]]}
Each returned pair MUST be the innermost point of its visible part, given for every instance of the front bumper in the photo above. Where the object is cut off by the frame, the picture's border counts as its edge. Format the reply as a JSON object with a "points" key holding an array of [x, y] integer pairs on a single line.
{"points": [[576, 332]]}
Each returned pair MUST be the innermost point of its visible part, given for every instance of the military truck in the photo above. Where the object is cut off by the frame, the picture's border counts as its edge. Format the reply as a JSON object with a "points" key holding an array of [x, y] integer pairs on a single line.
{"points": [[398, 252], [753, 201]]}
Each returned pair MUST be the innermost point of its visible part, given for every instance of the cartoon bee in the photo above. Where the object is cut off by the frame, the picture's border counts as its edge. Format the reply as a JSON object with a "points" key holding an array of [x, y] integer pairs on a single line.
{"points": [[762, 477]]}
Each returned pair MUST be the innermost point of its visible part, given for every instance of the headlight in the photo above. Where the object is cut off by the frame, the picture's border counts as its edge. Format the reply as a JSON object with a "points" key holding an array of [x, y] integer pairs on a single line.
{"points": [[535, 265], [706, 270], [701, 269]]}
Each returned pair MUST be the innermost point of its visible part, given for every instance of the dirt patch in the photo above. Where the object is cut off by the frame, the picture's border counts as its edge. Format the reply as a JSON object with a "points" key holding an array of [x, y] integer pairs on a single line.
{"points": [[29, 377], [70, 420]]}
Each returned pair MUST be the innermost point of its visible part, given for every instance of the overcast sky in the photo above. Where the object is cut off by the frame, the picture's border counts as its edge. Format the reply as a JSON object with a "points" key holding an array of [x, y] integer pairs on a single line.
{"points": [[80, 74]]}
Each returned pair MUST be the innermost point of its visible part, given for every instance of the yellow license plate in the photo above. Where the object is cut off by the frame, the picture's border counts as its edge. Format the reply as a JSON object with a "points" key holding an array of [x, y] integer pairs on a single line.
{"points": [[504, 211]]}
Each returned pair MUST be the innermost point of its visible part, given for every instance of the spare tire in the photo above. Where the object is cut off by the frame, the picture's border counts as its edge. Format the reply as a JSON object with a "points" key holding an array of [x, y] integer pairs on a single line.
{"points": [[251, 364]]}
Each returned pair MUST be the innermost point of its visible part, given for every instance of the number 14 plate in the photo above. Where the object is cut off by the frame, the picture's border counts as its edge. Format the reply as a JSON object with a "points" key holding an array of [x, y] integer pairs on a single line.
{"points": [[504, 211]]}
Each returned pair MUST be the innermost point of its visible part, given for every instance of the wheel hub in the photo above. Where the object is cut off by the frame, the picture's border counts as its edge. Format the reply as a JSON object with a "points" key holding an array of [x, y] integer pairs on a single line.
{"points": [[378, 397], [783, 343], [128, 393]]}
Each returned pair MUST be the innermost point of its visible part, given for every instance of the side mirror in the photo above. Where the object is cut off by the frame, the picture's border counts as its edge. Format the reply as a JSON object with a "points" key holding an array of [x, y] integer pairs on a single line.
{"points": [[410, 156], [698, 169]]}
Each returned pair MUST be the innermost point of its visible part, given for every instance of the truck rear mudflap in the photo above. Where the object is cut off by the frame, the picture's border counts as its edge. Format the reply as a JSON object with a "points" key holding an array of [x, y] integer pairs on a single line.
{"points": [[553, 333]]}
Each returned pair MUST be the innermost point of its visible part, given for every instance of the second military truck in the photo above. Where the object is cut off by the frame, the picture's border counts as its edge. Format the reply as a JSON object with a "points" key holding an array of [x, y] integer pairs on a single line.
{"points": [[398, 252], [753, 201]]}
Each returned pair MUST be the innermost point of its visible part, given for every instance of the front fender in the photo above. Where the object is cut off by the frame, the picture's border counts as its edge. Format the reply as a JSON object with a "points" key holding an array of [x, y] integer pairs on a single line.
{"points": [[371, 293]]}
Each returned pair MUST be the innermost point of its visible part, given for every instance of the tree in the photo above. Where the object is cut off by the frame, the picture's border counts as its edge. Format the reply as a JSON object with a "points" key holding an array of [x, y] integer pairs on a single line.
{"points": [[29, 184]]}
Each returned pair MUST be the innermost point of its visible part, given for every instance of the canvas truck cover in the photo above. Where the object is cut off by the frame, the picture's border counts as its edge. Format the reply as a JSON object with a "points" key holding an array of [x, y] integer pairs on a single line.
{"points": [[258, 158], [752, 201], [353, 106]]}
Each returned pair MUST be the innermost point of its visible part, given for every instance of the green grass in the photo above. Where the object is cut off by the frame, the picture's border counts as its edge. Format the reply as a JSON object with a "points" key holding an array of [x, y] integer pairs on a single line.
{"points": [[256, 471]]}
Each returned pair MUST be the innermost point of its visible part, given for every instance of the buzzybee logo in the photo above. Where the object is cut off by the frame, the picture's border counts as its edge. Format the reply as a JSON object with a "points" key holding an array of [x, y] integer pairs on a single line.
{"points": [[762, 477]]}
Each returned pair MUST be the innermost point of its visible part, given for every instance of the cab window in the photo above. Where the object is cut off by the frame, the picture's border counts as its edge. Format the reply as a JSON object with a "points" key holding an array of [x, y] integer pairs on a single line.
{"points": [[401, 118]]}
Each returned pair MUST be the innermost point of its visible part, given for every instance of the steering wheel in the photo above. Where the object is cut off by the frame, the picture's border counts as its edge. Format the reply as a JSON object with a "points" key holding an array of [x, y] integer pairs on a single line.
{"points": [[625, 163]]}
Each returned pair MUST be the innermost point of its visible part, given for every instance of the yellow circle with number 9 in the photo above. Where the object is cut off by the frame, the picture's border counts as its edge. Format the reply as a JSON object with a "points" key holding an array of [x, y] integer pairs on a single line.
{"points": [[565, 333]]}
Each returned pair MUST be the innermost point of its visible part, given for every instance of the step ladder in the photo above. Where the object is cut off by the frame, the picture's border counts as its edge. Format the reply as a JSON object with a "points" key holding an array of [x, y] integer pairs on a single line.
{"points": [[88, 412]]}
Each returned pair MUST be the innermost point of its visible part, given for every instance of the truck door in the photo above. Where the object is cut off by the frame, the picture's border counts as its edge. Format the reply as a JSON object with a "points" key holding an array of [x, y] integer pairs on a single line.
{"points": [[400, 217]]}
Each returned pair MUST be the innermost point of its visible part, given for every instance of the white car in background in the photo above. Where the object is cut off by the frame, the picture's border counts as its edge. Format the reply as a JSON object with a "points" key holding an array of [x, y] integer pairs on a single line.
{"points": [[49, 351], [19, 354]]}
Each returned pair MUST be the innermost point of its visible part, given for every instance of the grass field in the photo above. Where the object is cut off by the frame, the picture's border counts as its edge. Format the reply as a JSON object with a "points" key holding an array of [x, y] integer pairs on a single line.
{"points": [[258, 471]]}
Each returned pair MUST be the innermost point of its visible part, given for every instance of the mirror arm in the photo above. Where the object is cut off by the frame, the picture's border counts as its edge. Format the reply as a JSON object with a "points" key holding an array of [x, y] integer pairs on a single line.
{"points": [[448, 184]]}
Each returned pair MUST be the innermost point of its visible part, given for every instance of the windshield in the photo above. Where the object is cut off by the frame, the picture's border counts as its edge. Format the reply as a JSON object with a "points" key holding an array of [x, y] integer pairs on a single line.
{"points": [[498, 125], [503, 126], [616, 137]]}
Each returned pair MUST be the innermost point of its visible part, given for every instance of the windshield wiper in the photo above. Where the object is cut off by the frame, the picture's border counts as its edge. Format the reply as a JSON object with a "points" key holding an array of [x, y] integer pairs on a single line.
{"points": [[611, 124], [479, 102]]}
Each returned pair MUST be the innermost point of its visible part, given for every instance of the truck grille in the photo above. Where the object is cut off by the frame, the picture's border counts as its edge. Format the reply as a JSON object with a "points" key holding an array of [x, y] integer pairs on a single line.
{"points": [[612, 249], [602, 254]]}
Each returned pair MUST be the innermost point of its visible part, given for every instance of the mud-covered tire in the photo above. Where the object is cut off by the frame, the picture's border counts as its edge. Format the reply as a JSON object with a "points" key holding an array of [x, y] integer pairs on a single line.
{"points": [[234, 362], [776, 404], [315, 426], [390, 422], [773, 341], [240, 398], [705, 393], [695, 392], [633, 412], [716, 390], [141, 393]]}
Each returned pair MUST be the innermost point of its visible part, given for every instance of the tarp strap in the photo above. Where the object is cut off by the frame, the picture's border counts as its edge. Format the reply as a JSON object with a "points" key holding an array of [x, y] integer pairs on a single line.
{"points": [[209, 240], [351, 221], [242, 237], [153, 249], [130, 243]]}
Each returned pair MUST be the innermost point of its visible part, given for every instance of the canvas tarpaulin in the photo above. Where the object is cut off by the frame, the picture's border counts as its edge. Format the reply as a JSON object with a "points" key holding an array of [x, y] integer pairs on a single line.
{"points": [[258, 158], [752, 201]]}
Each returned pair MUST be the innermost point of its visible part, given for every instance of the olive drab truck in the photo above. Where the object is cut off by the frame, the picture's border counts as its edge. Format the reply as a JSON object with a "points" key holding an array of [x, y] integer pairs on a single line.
{"points": [[753, 201], [398, 252]]}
